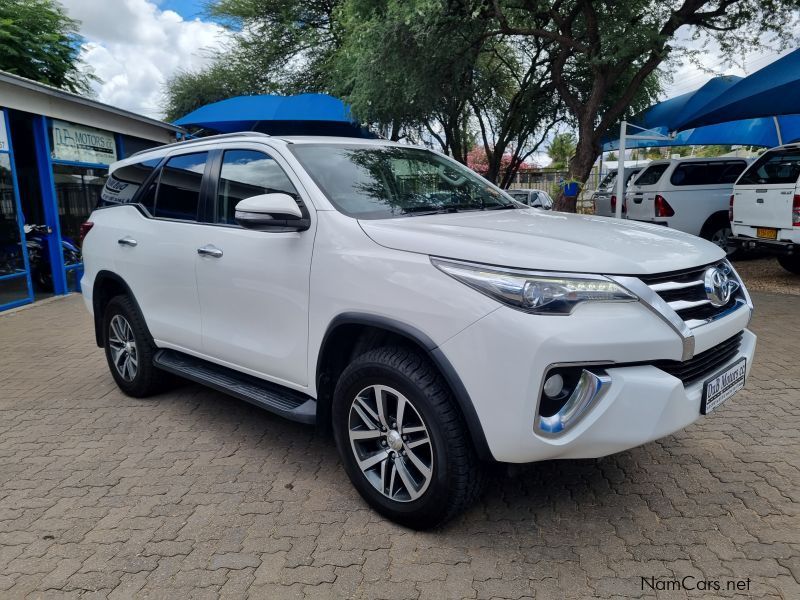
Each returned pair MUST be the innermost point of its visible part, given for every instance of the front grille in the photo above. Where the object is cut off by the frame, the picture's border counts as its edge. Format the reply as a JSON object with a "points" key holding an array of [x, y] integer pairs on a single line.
{"points": [[685, 293], [703, 364]]}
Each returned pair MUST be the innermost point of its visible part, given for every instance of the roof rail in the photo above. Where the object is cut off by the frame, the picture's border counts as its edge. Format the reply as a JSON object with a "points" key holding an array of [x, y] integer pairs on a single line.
{"points": [[203, 139]]}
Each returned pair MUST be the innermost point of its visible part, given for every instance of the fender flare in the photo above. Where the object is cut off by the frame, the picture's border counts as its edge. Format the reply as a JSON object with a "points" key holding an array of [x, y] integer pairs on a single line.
{"points": [[434, 353], [101, 277]]}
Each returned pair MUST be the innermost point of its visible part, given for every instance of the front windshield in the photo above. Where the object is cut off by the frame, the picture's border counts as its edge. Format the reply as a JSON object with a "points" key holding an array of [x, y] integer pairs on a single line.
{"points": [[379, 182]]}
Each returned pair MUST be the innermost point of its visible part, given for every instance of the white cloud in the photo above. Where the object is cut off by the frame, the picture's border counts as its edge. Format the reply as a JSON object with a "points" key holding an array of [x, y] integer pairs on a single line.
{"points": [[133, 46]]}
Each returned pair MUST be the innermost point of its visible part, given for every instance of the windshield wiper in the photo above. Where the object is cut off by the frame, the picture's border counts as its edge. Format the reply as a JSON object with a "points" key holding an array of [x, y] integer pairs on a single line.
{"points": [[430, 211], [500, 207]]}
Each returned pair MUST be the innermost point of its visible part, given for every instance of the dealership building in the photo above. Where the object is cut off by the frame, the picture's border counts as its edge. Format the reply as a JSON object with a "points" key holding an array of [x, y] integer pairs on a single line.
{"points": [[55, 149]]}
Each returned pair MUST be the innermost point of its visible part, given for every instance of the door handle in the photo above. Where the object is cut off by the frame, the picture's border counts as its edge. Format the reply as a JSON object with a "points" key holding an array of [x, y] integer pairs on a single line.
{"points": [[209, 250], [128, 241]]}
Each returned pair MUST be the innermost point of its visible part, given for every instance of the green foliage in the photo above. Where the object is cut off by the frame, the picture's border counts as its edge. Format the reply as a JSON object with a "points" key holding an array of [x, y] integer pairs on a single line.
{"points": [[561, 149], [39, 41], [189, 90]]}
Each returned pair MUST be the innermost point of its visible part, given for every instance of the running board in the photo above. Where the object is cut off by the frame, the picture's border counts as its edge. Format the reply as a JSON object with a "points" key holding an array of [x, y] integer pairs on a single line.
{"points": [[272, 397]]}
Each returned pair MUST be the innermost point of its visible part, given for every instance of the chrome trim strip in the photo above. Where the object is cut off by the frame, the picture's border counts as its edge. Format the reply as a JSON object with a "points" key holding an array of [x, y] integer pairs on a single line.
{"points": [[648, 297], [695, 323], [669, 286], [677, 305], [591, 387]]}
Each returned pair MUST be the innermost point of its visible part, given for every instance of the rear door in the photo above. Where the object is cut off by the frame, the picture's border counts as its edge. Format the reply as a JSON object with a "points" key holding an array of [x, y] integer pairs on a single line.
{"points": [[763, 194], [154, 246], [641, 194]]}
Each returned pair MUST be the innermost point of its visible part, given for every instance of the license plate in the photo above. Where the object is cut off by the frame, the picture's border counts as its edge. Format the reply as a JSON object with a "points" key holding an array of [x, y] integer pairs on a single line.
{"points": [[722, 386], [766, 232]]}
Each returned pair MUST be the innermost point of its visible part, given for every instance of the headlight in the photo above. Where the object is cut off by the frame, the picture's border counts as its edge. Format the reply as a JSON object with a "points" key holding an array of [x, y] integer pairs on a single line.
{"points": [[539, 293]]}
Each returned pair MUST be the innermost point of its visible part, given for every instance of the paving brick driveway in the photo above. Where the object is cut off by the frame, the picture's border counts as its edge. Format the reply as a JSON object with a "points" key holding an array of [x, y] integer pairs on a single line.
{"points": [[193, 494]]}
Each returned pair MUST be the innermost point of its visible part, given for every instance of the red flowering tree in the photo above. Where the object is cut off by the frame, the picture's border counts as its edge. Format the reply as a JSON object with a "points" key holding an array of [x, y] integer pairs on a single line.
{"points": [[479, 162]]}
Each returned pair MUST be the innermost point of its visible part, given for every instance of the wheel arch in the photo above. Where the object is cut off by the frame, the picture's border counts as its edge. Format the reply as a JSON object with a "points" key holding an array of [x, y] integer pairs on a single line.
{"points": [[349, 334], [107, 285], [721, 216]]}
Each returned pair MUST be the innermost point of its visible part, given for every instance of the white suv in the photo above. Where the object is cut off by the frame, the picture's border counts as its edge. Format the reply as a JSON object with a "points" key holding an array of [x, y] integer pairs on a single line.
{"points": [[765, 206], [389, 293], [688, 194]]}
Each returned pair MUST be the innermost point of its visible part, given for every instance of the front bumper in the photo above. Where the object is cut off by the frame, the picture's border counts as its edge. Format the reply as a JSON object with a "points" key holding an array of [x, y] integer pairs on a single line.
{"points": [[501, 360], [771, 246]]}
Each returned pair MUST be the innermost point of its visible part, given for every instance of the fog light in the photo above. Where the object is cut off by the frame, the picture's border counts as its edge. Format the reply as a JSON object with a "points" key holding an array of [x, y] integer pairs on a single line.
{"points": [[553, 386], [566, 395]]}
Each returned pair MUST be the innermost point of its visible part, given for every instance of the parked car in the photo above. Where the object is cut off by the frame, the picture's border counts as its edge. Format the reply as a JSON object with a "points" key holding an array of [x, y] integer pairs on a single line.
{"points": [[389, 293], [765, 206], [605, 197], [533, 198], [687, 194]]}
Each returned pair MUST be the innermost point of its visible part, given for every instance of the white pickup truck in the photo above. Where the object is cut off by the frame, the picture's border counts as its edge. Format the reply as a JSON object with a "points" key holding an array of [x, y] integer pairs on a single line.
{"points": [[765, 206]]}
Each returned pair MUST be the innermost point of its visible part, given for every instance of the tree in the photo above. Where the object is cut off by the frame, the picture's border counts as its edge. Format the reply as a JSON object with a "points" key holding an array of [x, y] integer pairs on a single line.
{"points": [[561, 149], [189, 90], [604, 53], [413, 65], [39, 41], [278, 47]]}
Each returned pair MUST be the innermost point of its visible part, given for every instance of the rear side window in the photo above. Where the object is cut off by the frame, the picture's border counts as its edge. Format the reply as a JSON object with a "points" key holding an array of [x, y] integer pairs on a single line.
{"points": [[715, 172], [652, 174], [247, 173], [779, 166], [631, 175], [123, 185], [179, 187]]}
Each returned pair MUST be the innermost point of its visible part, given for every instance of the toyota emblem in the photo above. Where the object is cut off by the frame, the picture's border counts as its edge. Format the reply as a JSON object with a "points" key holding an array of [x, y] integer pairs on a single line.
{"points": [[718, 285]]}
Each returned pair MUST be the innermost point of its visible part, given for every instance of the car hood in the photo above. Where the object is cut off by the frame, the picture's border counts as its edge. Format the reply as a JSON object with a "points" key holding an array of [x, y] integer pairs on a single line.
{"points": [[544, 240]]}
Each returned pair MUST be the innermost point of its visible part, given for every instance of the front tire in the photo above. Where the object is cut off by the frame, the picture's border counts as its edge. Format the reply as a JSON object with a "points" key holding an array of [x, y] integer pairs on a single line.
{"points": [[130, 349], [791, 263], [402, 440]]}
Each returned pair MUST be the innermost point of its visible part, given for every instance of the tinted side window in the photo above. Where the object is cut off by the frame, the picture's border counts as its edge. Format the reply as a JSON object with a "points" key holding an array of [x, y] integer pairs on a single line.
{"points": [[631, 175], [179, 187], [519, 196], [247, 173], [124, 183], [707, 173], [652, 174], [780, 166]]}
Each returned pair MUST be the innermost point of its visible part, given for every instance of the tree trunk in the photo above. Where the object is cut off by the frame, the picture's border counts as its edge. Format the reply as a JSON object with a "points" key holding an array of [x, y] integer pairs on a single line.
{"points": [[580, 166]]}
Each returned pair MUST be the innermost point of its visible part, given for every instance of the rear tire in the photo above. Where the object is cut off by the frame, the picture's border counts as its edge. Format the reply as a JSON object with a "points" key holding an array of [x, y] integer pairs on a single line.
{"points": [[791, 263], [130, 349], [719, 232], [415, 465]]}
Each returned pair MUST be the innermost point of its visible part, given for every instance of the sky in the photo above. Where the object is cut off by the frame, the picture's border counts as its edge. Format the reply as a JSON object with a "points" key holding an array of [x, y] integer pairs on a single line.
{"points": [[134, 46]]}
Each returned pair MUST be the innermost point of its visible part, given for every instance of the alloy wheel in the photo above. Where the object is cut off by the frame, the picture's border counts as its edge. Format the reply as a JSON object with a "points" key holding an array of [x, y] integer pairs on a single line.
{"points": [[391, 443], [720, 238], [123, 347]]}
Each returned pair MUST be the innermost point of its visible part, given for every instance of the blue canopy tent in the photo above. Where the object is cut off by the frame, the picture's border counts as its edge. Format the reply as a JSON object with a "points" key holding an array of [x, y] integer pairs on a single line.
{"points": [[749, 132], [304, 114], [769, 92], [762, 109]]}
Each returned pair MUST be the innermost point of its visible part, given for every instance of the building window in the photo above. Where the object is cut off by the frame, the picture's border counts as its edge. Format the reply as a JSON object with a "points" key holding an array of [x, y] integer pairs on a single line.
{"points": [[78, 192]]}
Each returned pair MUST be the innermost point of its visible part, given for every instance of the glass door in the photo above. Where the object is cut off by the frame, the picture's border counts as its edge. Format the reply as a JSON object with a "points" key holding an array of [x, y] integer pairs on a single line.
{"points": [[15, 282]]}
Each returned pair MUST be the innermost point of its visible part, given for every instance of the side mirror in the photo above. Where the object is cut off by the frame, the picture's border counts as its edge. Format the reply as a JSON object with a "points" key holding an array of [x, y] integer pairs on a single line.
{"points": [[271, 212]]}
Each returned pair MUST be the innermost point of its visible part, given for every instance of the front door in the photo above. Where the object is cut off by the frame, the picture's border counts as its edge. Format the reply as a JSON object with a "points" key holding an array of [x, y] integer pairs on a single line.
{"points": [[253, 285]]}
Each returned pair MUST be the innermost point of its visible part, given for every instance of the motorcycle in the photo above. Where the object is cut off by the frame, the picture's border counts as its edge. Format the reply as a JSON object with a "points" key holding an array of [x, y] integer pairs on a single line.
{"points": [[37, 238]]}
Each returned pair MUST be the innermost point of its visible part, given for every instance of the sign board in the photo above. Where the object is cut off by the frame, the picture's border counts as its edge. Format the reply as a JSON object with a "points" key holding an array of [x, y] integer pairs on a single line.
{"points": [[4, 147], [79, 143]]}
